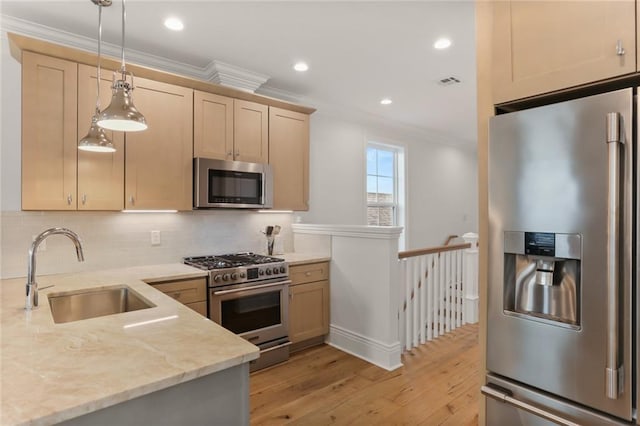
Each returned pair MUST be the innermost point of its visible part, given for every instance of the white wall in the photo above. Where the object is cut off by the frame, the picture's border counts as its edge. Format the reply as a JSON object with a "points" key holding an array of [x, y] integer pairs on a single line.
{"points": [[442, 180]]}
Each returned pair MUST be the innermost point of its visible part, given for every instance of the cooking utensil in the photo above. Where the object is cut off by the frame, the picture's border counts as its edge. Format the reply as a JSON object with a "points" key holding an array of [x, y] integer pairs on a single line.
{"points": [[269, 230], [276, 230]]}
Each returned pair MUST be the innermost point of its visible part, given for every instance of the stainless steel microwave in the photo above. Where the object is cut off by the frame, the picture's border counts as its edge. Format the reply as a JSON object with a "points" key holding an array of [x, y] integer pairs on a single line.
{"points": [[231, 184]]}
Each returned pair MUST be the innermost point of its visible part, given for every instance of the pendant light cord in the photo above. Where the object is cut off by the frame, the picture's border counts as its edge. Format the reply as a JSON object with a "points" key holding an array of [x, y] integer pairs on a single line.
{"points": [[124, 14], [99, 59]]}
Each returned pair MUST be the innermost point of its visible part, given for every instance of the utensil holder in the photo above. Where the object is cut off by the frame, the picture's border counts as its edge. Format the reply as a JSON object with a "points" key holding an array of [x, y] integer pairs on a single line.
{"points": [[270, 240]]}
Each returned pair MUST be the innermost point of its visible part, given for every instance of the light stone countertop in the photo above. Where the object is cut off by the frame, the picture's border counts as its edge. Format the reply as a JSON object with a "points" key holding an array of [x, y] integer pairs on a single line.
{"points": [[301, 258], [54, 372]]}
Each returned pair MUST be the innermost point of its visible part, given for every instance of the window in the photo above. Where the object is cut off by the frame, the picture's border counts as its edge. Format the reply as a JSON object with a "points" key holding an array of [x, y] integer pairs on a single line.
{"points": [[384, 185]]}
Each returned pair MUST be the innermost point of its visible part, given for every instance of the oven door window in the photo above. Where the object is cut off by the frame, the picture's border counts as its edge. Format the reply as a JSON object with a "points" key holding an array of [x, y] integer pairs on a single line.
{"points": [[236, 187], [251, 312]]}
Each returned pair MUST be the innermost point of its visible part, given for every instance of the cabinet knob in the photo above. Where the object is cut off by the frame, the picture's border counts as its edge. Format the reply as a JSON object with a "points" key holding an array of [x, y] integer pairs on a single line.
{"points": [[69, 199], [308, 274], [237, 153], [176, 295], [84, 199], [619, 49], [132, 200], [230, 154]]}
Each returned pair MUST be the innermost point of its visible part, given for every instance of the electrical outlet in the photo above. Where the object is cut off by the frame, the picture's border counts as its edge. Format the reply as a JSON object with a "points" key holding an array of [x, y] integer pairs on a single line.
{"points": [[43, 243], [155, 238]]}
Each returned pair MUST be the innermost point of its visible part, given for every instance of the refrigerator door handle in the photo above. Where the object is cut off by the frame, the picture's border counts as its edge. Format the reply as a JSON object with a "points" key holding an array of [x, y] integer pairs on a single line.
{"points": [[508, 399], [613, 371]]}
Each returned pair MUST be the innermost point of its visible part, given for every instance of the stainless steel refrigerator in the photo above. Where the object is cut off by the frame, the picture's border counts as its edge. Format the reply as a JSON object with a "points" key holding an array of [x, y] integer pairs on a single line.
{"points": [[562, 300]]}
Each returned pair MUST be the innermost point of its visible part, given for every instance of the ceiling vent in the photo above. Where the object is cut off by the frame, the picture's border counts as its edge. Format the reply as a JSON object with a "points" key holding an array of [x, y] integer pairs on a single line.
{"points": [[448, 81]]}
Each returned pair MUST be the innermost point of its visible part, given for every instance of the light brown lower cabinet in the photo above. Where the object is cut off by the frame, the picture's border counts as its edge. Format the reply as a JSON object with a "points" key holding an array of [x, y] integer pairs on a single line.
{"points": [[308, 304], [190, 292]]}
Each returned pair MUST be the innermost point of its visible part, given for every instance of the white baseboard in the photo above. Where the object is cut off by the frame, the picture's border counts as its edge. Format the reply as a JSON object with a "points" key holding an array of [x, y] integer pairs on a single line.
{"points": [[370, 350]]}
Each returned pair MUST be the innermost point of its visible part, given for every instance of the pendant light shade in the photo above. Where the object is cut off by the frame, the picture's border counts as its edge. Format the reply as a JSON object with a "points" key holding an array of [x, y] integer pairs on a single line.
{"points": [[121, 114], [96, 140]]}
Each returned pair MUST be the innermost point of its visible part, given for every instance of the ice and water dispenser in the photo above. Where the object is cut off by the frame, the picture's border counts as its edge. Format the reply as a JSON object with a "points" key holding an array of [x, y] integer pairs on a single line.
{"points": [[542, 276]]}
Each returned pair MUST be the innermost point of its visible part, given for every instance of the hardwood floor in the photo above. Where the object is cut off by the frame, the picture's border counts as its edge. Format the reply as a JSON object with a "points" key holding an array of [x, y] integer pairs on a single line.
{"points": [[439, 384]]}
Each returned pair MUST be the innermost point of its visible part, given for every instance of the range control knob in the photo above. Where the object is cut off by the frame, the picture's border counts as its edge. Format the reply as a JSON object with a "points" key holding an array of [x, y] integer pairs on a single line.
{"points": [[225, 277], [234, 276], [268, 271], [261, 272], [217, 278], [283, 269], [275, 270], [242, 275]]}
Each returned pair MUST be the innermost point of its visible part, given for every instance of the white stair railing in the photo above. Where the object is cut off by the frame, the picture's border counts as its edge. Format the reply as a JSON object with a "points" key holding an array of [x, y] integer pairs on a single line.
{"points": [[438, 291]]}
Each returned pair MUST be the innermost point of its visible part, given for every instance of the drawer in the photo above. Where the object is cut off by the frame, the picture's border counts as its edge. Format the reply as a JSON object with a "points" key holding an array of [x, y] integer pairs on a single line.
{"points": [[185, 291], [308, 273], [199, 307]]}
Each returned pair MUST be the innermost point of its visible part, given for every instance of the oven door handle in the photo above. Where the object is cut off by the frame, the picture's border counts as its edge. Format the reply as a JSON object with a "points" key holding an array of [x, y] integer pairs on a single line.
{"points": [[273, 348], [255, 287]]}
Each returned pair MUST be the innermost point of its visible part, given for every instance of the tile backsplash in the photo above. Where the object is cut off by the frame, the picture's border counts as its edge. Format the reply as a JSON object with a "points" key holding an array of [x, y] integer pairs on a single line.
{"points": [[115, 239]]}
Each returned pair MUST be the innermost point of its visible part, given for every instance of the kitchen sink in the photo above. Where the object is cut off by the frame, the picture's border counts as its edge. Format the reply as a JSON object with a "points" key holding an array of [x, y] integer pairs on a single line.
{"points": [[92, 303]]}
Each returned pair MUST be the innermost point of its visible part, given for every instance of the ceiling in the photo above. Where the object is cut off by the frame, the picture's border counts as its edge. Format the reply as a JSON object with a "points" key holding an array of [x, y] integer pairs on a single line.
{"points": [[358, 51]]}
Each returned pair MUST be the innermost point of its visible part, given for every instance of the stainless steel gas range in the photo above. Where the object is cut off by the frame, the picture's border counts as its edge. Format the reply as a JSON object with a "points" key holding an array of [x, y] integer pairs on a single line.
{"points": [[248, 294]]}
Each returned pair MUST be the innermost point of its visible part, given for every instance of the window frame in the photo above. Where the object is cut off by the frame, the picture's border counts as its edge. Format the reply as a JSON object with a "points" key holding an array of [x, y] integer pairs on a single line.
{"points": [[395, 204]]}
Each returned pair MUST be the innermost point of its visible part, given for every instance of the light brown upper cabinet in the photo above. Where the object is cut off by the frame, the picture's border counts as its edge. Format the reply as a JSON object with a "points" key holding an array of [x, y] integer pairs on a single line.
{"points": [[250, 131], [230, 129], [100, 175], [212, 126], [158, 166], [289, 158], [543, 46], [49, 133]]}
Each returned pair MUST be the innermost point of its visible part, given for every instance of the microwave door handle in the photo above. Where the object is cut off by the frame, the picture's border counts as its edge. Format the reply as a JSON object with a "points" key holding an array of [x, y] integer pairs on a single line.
{"points": [[255, 287], [508, 399], [613, 370]]}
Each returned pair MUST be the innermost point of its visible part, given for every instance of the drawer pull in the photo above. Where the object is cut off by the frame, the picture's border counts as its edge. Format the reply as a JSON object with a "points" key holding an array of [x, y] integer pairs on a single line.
{"points": [[176, 295], [308, 274]]}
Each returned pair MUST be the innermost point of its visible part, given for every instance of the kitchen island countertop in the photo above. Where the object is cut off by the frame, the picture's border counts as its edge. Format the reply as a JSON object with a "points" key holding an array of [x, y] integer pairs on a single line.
{"points": [[54, 372]]}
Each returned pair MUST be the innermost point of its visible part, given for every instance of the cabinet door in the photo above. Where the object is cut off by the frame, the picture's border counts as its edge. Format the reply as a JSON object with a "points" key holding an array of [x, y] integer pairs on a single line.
{"points": [[158, 161], [212, 126], [308, 311], [289, 158], [100, 175], [542, 46], [250, 130], [49, 133]]}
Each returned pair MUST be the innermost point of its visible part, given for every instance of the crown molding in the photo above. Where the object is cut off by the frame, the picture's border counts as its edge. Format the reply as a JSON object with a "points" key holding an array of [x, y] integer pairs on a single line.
{"points": [[234, 76]]}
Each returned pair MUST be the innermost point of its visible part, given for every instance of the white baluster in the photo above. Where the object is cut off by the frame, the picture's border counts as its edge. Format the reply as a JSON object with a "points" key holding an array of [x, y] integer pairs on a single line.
{"points": [[401, 302], [423, 299], [447, 290], [407, 316], [460, 288], [441, 292], [436, 293], [429, 296], [416, 301]]}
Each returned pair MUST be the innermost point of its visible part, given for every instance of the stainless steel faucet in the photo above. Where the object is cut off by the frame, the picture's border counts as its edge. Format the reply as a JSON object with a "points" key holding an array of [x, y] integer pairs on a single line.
{"points": [[32, 285]]}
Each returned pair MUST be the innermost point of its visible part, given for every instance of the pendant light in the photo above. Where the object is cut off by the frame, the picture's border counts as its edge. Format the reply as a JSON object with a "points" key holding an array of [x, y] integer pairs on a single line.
{"points": [[96, 140], [121, 114]]}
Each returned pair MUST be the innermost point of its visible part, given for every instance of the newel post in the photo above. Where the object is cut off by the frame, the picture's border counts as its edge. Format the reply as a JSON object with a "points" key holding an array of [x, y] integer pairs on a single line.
{"points": [[470, 279]]}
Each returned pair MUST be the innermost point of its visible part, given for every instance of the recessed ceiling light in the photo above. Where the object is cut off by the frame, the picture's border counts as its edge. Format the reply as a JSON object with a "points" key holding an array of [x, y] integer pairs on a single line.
{"points": [[301, 66], [174, 24], [442, 43], [386, 101]]}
